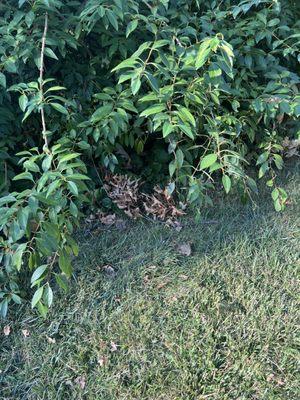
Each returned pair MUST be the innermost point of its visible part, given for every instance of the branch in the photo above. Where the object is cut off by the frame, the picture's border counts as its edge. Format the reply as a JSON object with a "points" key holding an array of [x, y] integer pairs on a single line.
{"points": [[44, 131]]}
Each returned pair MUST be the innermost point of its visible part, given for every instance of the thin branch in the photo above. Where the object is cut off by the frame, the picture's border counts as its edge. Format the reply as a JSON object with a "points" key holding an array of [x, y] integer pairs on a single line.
{"points": [[44, 131]]}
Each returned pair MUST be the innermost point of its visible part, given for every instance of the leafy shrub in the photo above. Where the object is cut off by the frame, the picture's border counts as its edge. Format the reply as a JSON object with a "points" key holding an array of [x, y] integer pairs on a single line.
{"points": [[190, 92]]}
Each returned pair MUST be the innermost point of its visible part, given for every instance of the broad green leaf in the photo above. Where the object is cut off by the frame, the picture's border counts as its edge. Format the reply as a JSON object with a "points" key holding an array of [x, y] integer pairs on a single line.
{"points": [[262, 158], [208, 160], [78, 177], [155, 109], [203, 53], [50, 53], [275, 194], [48, 296], [226, 183], [187, 130], [7, 199], [131, 27], [101, 113], [112, 19], [58, 107], [46, 164], [37, 296], [68, 157], [135, 84], [125, 64], [23, 175], [167, 129], [38, 273], [2, 80], [73, 188], [64, 262], [186, 115]]}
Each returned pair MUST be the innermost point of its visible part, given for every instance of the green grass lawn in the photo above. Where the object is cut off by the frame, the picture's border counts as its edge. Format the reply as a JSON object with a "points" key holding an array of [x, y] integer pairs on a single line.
{"points": [[220, 324]]}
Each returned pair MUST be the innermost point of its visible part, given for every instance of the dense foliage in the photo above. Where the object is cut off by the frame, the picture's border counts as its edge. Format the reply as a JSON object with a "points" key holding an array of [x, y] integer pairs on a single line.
{"points": [[185, 92]]}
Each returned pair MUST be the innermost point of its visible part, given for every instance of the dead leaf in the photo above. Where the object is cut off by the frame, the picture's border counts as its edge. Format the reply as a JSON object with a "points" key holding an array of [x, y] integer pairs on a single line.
{"points": [[183, 277], [184, 249], [113, 347], [80, 380], [51, 340], [109, 270], [162, 285], [6, 330], [102, 361], [273, 378], [109, 219], [25, 332]]}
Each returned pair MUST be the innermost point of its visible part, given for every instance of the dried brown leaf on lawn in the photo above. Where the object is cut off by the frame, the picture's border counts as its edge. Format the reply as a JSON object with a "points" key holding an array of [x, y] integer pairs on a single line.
{"points": [[81, 381], [25, 333], [6, 330], [184, 249]]}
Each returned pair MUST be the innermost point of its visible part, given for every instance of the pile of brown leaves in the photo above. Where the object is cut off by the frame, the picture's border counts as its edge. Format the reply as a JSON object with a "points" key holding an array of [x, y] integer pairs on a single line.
{"points": [[161, 205], [125, 193]]}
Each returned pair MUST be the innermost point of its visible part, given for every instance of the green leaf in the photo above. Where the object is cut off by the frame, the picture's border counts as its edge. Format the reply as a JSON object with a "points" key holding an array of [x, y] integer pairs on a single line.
{"points": [[37, 296], [208, 160], [31, 166], [131, 27], [186, 115], [68, 157], [55, 88], [112, 19], [262, 158], [78, 177], [131, 62], [17, 256], [58, 107], [64, 263], [7, 199], [155, 109], [46, 164], [172, 168], [73, 188], [53, 186], [2, 80], [41, 307], [214, 72], [38, 273], [226, 183], [23, 175], [50, 53], [48, 296], [203, 53], [101, 113], [275, 194], [187, 130], [135, 84], [153, 81], [167, 129]]}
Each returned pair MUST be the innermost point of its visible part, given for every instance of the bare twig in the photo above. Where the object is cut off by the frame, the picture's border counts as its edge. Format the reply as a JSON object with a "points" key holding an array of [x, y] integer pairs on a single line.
{"points": [[44, 131]]}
